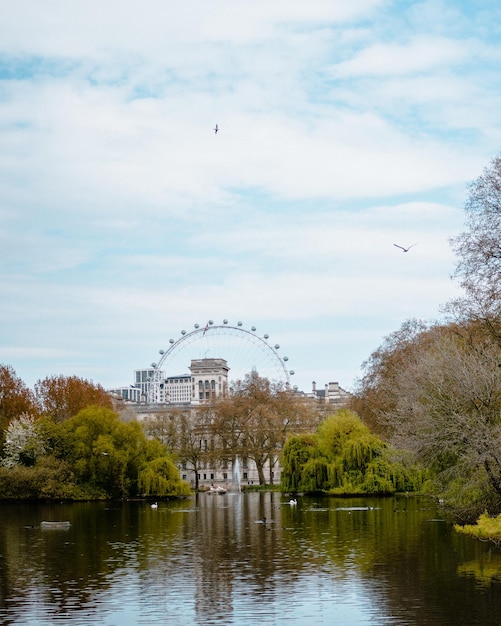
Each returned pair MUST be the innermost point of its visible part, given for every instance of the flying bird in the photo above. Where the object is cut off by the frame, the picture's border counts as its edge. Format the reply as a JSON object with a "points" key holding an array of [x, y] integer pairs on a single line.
{"points": [[405, 249], [216, 128]]}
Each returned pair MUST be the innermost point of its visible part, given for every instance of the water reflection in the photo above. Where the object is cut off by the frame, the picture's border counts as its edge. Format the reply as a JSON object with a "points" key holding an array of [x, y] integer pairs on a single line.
{"points": [[213, 559]]}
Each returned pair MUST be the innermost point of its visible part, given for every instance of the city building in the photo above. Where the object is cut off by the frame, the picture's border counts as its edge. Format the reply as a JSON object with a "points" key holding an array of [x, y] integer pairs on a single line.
{"points": [[207, 380]]}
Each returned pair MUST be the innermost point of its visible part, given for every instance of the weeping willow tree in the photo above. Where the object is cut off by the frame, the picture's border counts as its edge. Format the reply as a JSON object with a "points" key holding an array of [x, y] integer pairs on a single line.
{"points": [[160, 477], [298, 450], [344, 457]]}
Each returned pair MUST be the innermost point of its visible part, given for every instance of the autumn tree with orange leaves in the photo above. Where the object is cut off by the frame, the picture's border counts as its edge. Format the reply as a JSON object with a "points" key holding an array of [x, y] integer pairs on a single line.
{"points": [[62, 397]]}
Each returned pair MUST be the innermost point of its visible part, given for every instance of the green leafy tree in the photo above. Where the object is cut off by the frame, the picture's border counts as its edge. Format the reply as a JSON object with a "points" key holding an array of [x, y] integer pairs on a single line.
{"points": [[344, 457], [297, 452], [160, 477], [108, 455]]}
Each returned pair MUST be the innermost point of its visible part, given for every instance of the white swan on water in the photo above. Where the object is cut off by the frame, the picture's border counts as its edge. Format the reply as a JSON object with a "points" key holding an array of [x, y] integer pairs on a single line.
{"points": [[292, 502], [154, 505]]}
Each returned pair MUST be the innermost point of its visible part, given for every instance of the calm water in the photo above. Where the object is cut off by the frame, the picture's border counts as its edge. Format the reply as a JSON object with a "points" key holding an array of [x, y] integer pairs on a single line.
{"points": [[209, 560]]}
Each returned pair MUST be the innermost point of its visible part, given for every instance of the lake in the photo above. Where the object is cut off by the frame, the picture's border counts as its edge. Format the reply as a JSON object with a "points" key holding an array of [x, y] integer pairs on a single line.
{"points": [[211, 559]]}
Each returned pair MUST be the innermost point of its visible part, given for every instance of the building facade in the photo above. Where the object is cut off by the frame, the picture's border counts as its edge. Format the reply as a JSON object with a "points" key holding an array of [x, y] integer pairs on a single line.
{"points": [[186, 393]]}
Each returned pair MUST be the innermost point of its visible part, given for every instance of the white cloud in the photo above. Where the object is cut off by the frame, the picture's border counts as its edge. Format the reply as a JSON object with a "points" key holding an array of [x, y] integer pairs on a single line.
{"points": [[421, 54], [345, 127]]}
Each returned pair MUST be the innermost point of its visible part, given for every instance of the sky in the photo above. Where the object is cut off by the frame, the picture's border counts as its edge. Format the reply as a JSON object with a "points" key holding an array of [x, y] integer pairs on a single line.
{"points": [[345, 127]]}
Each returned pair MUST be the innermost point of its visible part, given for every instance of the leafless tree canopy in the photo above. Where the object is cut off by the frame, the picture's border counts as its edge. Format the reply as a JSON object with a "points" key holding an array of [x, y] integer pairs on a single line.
{"points": [[478, 250]]}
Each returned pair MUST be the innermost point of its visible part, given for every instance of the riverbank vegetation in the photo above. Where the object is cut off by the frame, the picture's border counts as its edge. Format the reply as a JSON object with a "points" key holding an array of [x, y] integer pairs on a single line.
{"points": [[343, 457], [487, 528], [65, 449]]}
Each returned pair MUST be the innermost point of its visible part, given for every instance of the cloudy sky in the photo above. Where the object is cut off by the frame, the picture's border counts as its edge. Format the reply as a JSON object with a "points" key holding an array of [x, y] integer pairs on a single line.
{"points": [[345, 127]]}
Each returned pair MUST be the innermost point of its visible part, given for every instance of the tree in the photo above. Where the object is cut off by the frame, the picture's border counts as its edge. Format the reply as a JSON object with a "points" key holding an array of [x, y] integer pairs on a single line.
{"points": [[110, 457], [442, 403], [24, 442], [164, 427], [62, 397], [160, 477], [298, 450], [255, 421], [376, 393], [15, 398], [344, 457], [450, 418], [193, 439], [478, 249]]}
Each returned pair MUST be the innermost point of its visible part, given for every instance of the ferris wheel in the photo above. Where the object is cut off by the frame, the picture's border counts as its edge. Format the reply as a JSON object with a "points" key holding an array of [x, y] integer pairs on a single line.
{"points": [[243, 349]]}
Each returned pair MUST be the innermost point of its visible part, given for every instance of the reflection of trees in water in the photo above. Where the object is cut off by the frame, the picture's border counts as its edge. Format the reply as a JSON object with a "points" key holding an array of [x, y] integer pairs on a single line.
{"points": [[211, 552], [68, 569]]}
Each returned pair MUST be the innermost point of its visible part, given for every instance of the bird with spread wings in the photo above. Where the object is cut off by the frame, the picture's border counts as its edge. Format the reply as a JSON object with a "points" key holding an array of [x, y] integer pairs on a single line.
{"points": [[405, 249]]}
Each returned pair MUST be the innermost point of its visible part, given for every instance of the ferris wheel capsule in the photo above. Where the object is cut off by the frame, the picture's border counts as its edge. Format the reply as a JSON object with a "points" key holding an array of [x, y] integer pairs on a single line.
{"points": [[183, 332], [277, 346], [266, 336], [225, 321]]}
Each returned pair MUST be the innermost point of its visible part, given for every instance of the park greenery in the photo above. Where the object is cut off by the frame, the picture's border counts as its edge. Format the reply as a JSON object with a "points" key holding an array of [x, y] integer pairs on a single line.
{"points": [[343, 457], [425, 415], [68, 443]]}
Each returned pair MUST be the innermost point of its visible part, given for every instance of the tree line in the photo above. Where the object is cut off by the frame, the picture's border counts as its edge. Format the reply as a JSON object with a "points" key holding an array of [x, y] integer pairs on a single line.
{"points": [[64, 440]]}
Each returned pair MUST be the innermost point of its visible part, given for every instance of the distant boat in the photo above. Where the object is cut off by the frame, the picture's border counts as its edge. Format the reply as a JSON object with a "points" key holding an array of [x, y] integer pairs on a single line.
{"points": [[219, 491], [55, 525]]}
